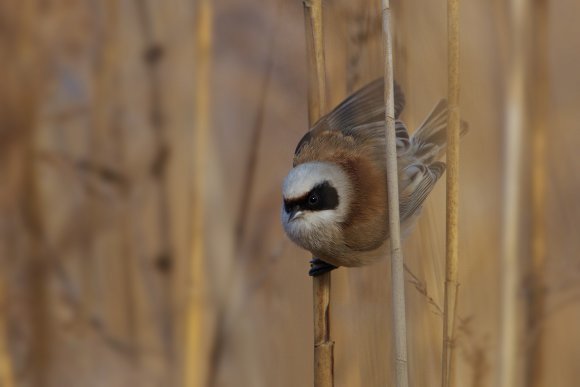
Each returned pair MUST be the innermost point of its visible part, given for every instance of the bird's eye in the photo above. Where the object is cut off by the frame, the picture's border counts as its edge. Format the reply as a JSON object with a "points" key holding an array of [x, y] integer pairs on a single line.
{"points": [[313, 199]]}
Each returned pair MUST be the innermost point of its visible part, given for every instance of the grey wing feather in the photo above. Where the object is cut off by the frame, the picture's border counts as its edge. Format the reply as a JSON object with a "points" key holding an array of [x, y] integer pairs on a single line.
{"points": [[403, 139], [362, 107], [361, 111], [372, 135], [434, 123], [417, 181], [427, 145], [429, 141]]}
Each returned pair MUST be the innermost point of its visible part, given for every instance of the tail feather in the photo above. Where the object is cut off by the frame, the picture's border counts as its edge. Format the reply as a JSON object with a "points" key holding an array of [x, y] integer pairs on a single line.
{"points": [[419, 155], [430, 139], [435, 122]]}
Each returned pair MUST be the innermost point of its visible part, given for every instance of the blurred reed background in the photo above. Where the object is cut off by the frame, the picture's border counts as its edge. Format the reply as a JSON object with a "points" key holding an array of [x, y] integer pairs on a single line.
{"points": [[140, 239]]}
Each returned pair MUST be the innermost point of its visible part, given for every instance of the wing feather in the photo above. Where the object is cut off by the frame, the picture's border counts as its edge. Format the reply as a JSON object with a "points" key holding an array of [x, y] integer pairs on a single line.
{"points": [[417, 181], [364, 106], [429, 141], [361, 116]]}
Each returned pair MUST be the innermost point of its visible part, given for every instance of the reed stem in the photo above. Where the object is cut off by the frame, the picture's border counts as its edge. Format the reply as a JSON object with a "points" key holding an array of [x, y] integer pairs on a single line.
{"points": [[452, 243], [196, 359], [323, 346], [397, 262]]}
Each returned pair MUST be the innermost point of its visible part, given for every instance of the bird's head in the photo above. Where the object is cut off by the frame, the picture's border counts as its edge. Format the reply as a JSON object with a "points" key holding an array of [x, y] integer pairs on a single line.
{"points": [[317, 196]]}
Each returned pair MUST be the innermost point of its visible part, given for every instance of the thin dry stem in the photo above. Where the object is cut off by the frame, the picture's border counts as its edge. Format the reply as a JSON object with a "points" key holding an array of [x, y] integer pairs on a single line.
{"points": [[452, 245], [195, 356], [323, 346], [452, 375], [255, 141], [514, 155], [397, 262], [421, 288]]}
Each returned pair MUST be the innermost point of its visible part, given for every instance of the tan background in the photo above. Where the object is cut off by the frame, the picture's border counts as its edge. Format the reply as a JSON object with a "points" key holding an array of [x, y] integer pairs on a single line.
{"points": [[96, 139]]}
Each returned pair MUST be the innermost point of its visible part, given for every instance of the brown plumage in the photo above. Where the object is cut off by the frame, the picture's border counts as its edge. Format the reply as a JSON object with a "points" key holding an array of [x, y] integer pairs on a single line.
{"points": [[346, 149]]}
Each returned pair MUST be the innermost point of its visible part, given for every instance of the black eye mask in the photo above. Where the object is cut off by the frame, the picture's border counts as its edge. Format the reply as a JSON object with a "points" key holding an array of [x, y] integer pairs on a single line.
{"points": [[322, 197]]}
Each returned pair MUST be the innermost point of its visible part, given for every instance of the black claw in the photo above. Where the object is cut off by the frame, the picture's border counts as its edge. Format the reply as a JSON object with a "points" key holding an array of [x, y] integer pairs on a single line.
{"points": [[318, 267]]}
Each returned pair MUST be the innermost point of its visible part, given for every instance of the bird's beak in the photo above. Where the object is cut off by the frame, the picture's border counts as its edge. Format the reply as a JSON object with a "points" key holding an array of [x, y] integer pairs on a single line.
{"points": [[295, 213]]}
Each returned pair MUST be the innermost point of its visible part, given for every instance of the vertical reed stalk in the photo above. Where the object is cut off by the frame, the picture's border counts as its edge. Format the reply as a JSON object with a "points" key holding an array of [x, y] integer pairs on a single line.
{"points": [[397, 263], [195, 357], [452, 243], [21, 86], [316, 60], [539, 115], [6, 374], [515, 123], [323, 346], [35, 212], [119, 310], [38, 267]]}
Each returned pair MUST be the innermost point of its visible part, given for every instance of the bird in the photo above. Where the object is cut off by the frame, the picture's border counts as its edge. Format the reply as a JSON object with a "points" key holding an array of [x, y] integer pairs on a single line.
{"points": [[335, 195]]}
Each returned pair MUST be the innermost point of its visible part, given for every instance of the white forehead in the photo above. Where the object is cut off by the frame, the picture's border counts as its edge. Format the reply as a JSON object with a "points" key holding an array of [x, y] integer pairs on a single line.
{"points": [[304, 177]]}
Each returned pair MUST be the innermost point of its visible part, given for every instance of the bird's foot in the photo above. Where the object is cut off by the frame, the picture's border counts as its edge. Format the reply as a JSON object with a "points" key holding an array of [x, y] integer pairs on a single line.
{"points": [[318, 267]]}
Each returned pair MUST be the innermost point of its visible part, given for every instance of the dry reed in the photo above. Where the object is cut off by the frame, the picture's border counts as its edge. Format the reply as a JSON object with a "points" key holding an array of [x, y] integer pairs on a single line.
{"points": [[323, 346], [6, 374], [539, 116], [452, 243], [397, 263], [514, 127], [316, 60], [35, 213], [195, 362], [18, 97], [122, 312]]}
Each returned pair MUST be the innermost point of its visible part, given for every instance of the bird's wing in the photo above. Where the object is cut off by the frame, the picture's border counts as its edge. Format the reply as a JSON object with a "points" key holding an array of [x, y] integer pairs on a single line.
{"points": [[415, 183], [359, 119], [429, 141], [434, 124], [364, 106]]}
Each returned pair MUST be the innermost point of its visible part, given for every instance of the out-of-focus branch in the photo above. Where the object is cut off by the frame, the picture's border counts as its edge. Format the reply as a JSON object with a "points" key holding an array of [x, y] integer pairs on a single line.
{"points": [[6, 375], [539, 118], [514, 145], [255, 141]]}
